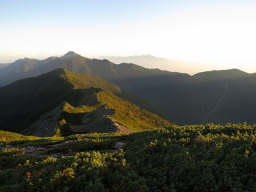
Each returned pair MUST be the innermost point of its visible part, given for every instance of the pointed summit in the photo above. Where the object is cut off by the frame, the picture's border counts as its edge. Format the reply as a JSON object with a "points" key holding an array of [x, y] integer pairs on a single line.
{"points": [[71, 54]]}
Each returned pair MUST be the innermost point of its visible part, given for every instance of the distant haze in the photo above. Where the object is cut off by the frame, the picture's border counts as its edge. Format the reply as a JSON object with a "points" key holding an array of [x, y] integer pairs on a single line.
{"points": [[218, 34], [152, 62]]}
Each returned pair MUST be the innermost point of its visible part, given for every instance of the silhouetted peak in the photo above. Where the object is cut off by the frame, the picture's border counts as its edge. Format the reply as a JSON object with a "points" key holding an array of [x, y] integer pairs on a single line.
{"points": [[71, 54], [220, 74], [24, 61]]}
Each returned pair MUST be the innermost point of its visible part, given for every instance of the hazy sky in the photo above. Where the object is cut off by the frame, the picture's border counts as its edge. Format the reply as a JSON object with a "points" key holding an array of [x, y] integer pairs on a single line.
{"points": [[221, 33]]}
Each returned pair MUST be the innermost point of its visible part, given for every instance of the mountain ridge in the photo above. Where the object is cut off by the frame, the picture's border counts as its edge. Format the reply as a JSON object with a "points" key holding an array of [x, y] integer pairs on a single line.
{"points": [[59, 101], [149, 61], [55, 62], [179, 97]]}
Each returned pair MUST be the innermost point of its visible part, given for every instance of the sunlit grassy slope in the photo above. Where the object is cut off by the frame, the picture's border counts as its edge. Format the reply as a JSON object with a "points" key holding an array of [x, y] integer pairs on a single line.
{"points": [[8, 137], [125, 113], [130, 115], [62, 98]]}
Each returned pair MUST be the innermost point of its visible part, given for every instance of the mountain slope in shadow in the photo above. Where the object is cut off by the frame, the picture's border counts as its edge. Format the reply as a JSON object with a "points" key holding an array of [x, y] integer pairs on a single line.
{"points": [[179, 97], [56, 102]]}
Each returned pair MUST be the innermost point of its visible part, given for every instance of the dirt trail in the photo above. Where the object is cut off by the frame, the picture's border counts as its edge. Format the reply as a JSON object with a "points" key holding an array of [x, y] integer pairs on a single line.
{"points": [[40, 151]]}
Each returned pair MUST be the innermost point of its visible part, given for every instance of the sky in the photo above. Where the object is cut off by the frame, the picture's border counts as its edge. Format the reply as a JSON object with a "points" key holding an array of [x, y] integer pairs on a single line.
{"points": [[219, 34]]}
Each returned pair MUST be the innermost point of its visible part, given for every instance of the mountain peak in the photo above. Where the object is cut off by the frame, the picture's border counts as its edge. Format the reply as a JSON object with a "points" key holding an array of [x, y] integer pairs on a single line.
{"points": [[71, 54], [220, 74]]}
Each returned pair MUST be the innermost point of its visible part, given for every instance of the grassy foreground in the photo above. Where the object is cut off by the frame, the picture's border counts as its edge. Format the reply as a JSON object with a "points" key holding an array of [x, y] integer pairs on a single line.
{"points": [[182, 158]]}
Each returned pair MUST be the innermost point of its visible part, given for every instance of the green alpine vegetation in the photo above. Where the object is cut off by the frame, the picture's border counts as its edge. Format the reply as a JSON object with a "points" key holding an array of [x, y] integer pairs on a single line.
{"points": [[63, 103], [179, 158], [7, 137], [88, 131]]}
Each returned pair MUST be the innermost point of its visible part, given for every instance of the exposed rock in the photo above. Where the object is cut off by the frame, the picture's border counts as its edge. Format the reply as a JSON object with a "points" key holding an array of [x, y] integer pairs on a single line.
{"points": [[119, 145], [96, 121], [47, 124], [99, 121]]}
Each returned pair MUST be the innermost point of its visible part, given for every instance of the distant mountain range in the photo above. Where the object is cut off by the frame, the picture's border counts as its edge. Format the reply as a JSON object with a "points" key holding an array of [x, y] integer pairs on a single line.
{"points": [[212, 96], [26, 67], [152, 62]]}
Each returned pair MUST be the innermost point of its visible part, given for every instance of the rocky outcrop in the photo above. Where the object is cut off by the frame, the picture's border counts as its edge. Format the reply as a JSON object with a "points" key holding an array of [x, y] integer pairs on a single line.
{"points": [[96, 121], [47, 124], [99, 121]]}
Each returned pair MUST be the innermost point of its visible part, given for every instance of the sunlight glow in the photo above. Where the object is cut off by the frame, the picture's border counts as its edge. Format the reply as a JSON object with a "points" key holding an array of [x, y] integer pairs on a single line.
{"points": [[220, 36]]}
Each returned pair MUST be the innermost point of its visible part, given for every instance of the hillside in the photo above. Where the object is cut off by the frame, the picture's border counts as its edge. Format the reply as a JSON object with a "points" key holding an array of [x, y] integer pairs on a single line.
{"points": [[213, 96], [24, 68], [180, 158], [6, 137], [218, 96], [61, 103], [217, 75]]}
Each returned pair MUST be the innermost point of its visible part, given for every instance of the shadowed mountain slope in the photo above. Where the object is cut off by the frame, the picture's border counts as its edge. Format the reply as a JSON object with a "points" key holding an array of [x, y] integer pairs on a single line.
{"points": [[55, 102], [230, 74], [215, 96], [75, 63]]}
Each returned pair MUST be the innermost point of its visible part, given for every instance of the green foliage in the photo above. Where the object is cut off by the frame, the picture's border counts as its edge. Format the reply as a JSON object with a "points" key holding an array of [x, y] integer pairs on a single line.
{"points": [[180, 158], [84, 81], [72, 96], [124, 113], [8, 137], [130, 115]]}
